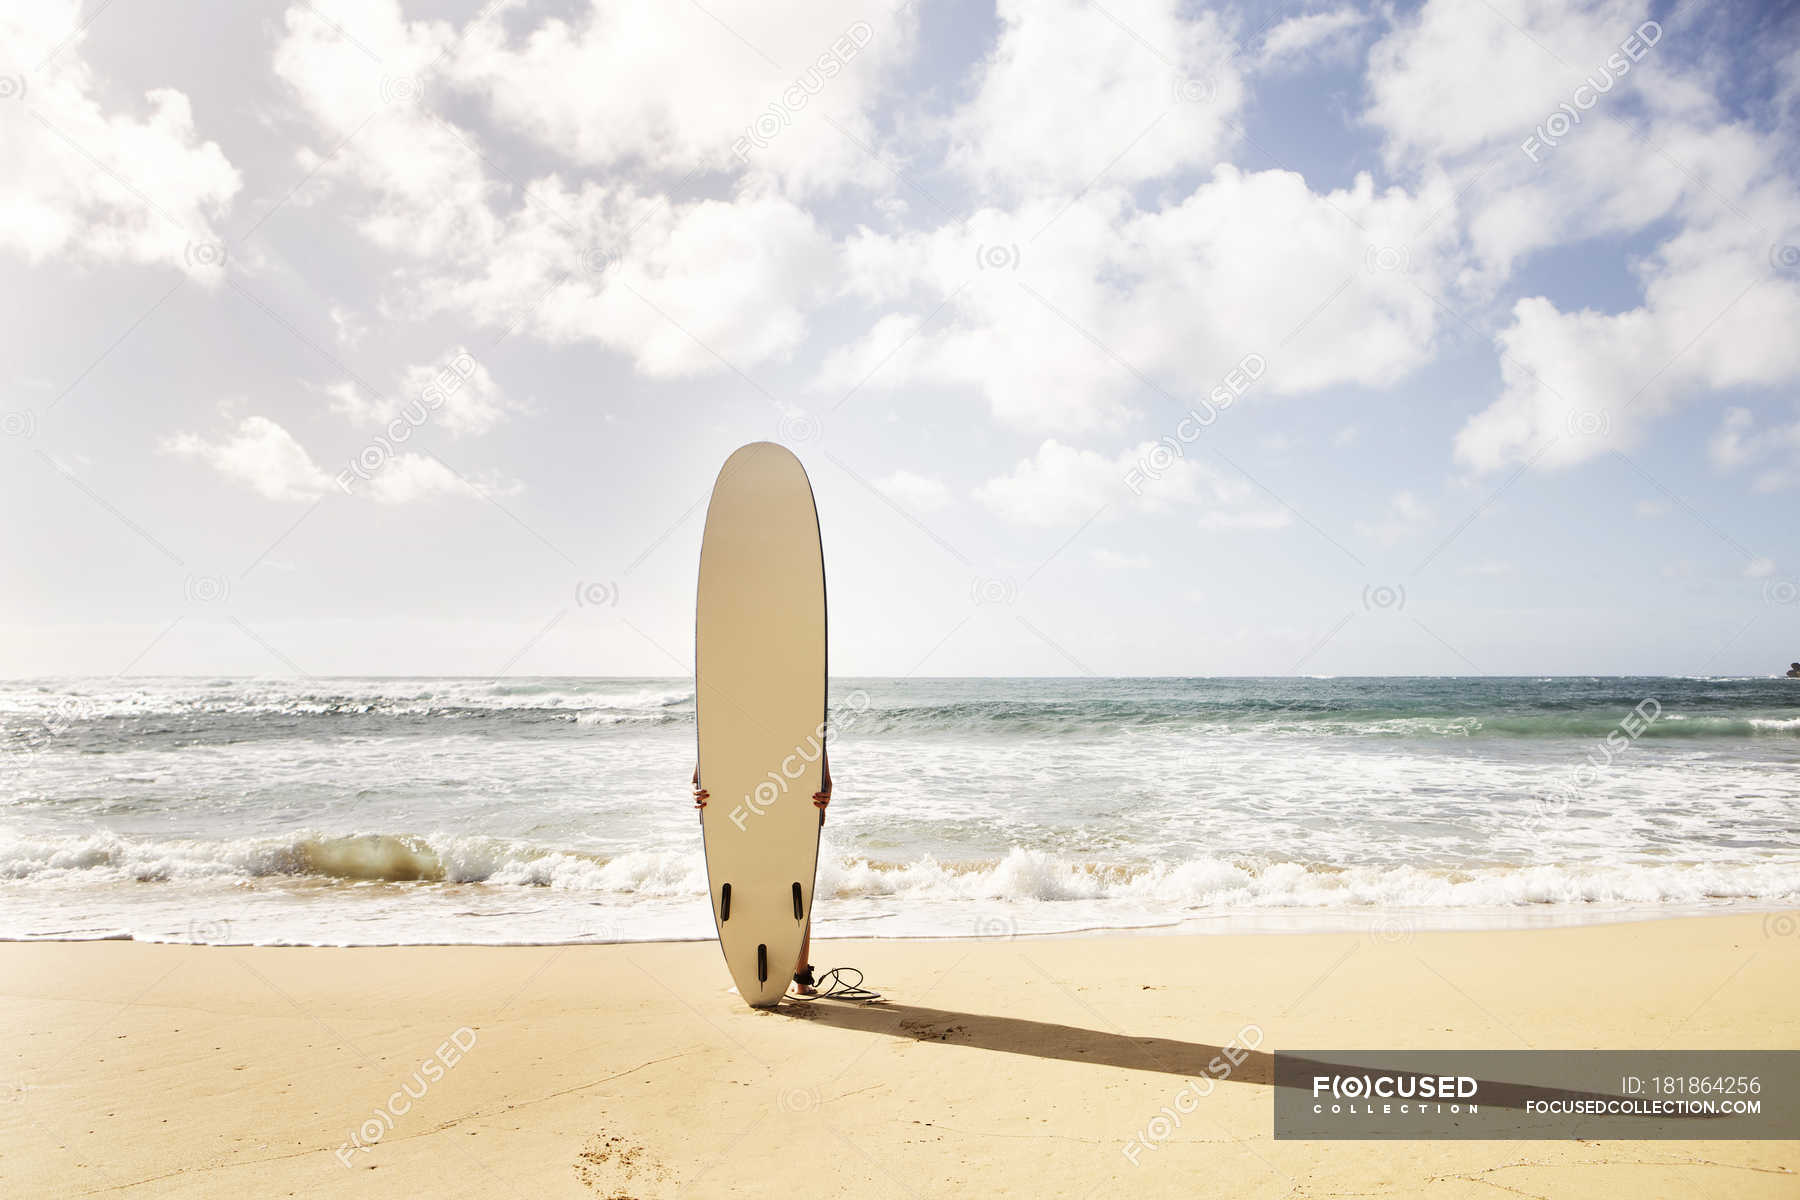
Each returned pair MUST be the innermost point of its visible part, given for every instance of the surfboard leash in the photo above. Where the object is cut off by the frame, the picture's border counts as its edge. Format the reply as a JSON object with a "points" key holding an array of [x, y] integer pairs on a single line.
{"points": [[835, 985]]}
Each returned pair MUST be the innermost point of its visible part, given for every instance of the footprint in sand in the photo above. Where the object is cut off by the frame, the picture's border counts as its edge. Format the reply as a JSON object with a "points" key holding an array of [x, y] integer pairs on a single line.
{"points": [[615, 1168], [924, 1031]]}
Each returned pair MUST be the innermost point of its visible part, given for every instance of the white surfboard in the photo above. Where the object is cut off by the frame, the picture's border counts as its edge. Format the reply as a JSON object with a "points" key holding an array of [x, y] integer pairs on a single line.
{"points": [[759, 687]]}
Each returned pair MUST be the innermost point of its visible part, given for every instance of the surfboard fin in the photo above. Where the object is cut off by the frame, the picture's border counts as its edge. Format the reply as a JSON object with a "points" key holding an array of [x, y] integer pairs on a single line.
{"points": [[762, 964], [724, 902], [799, 911]]}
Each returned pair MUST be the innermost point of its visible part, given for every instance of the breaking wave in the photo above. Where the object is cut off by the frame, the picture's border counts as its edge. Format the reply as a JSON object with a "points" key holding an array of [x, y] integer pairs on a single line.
{"points": [[1021, 875]]}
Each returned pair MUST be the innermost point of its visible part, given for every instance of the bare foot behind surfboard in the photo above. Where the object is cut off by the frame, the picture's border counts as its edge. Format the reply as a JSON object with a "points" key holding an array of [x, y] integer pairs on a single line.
{"points": [[759, 687]]}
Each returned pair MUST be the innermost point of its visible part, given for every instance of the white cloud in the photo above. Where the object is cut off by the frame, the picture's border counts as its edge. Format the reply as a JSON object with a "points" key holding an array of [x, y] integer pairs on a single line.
{"points": [[1729, 447], [259, 454], [455, 392], [361, 70], [1578, 384], [702, 287], [1738, 443], [347, 326], [1488, 569], [1059, 484], [697, 283], [1457, 89], [1312, 37], [676, 88], [1460, 88], [460, 389], [1405, 516], [1063, 333], [99, 185], [1457, 77], [1466, 91], [1759, 568], [1650, 510], [1610, 184], [268, 459], [409, 477], [347, 400], [919, 493], [1133, 89], [1063, 484]]}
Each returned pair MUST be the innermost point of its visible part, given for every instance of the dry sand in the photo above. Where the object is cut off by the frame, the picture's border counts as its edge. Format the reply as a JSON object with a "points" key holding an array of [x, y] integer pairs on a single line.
{"points": [[995, 1068]]}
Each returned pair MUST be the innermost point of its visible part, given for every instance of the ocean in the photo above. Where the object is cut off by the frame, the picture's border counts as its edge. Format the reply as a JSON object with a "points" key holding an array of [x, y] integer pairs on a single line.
{"points": [[556, 810]]}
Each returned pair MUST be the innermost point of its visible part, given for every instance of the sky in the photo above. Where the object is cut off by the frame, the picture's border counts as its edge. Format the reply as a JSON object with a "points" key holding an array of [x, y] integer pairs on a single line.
{"points": [[354, 337]]}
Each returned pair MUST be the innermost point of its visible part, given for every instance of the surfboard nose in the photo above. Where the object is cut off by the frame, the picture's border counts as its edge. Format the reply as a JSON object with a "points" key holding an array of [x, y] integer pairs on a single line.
{"points": [[751, 451]]}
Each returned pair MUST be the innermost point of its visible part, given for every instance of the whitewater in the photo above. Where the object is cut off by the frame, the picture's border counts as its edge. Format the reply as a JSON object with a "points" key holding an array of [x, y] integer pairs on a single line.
{"points": [[400, 811]]}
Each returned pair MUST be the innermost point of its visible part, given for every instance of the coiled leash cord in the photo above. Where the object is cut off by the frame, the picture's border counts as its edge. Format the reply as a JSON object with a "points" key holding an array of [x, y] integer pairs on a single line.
{"points": [[835, 984]]}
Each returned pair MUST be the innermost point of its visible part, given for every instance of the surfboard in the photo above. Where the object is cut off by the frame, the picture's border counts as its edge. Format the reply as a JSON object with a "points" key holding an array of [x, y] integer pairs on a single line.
{"points": [[759, 691]]}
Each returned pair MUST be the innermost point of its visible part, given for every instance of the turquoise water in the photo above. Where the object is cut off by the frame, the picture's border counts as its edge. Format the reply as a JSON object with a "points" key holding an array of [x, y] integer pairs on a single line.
{"points": [[459, 810]]}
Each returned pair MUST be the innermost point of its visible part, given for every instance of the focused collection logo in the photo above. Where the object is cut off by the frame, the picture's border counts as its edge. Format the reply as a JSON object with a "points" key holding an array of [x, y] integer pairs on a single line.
{"points": [[1394, 1095]]}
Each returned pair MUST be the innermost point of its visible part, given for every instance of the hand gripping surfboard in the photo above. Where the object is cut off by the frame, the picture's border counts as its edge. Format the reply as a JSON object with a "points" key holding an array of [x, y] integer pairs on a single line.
{"points": [[759, 691]]}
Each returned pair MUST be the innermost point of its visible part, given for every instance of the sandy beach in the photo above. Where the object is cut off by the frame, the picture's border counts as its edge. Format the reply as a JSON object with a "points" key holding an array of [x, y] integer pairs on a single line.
{"points": [[1214, 553], [1005, 1068]]}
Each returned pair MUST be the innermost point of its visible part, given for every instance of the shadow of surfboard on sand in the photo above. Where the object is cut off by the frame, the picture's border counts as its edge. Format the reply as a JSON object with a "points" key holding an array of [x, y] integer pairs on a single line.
{"points": [[1167, 1056]]}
